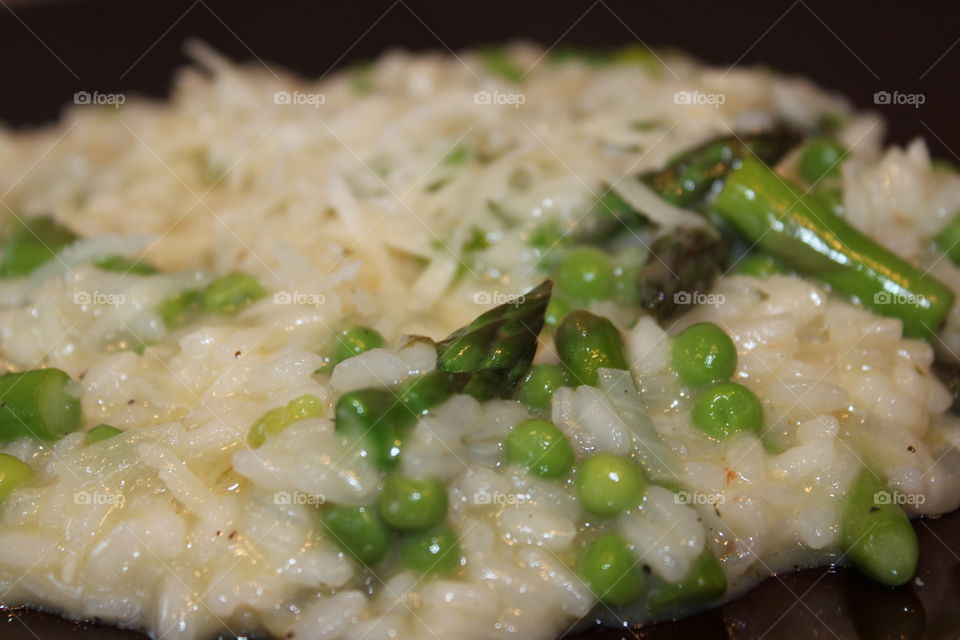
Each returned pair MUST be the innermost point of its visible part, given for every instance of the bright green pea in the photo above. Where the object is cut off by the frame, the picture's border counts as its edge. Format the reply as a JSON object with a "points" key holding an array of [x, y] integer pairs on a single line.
{"points": [[13, 473], [540, 447], [355, 340], [703, 583], [820, 159], [586, 343], [432, 553], [412, 505], [704, 353], [101, 432], [538, 387], [557, 310], [229, 294], [586, 274], [359, 531], [609, 484], [610, 570], [725, 409]]}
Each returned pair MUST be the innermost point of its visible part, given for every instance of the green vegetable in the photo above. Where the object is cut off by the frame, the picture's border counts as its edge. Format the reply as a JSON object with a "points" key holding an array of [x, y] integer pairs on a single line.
{"points": [[181, 308], [821, 158], [37, 403], [609, 569], [412, 505], [683, 266], [704, 583], [609, 216], [540, 447], [33, 242], [760, 265], [122, 264], [537, 389], [585, 274], [690, 177], [359, 531], [948, 240], [498, 62], [229, 294], [13, 474], [425, 392], [809, 238], [355, 340], [704, 353], [727, 408], [877, 535], [101, 432], [586, 342], [495, 351], [608, 484], [556, 311], [276, 420], [432, 552], [377, 421]]}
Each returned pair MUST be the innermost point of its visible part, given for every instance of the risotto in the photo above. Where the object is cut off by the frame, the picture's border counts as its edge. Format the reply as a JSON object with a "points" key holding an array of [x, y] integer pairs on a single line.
{"points": [[476, 346]]}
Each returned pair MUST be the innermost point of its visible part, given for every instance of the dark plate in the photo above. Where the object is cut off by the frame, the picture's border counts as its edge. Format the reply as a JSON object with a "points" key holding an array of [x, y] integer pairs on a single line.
{"points": [[54, 49]]}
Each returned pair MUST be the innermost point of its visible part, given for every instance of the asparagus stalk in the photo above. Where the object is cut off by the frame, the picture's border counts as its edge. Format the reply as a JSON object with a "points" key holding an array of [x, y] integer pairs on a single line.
{"points": [[809, 238], [38, 404], [33, 242]]}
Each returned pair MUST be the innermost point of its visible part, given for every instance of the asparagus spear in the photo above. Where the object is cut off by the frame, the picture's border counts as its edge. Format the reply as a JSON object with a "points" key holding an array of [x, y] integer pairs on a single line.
{"points": [[877, 535], [33, 242], [39, 404], [681, 266], [690, 177], [805, 235], [497, 349]]}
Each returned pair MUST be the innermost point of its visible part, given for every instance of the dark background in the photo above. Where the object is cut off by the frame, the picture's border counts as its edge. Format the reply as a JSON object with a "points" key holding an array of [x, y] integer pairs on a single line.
{"points": [[52, 49]]}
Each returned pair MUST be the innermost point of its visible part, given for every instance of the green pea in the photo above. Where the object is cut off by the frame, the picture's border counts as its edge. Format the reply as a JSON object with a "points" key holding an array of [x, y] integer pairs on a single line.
{"points": [[540, 447], [703, 583], [231, 293], [820, 159], [359, 531], [704, 353], [539, 385], [585, 274], [13, 473], [377, 421], [608, 485], [586, 342], [412, 505], [101, 432], [557, 310], [355, 340], [609, 569], [725, 409], [181, 308], [432, 553]]}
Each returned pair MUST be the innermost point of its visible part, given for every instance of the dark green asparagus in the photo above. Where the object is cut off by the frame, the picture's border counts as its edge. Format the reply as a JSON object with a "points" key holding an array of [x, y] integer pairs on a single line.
{"points": [[681, 267], [495, 351], [809, 238], [33, 242]]}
